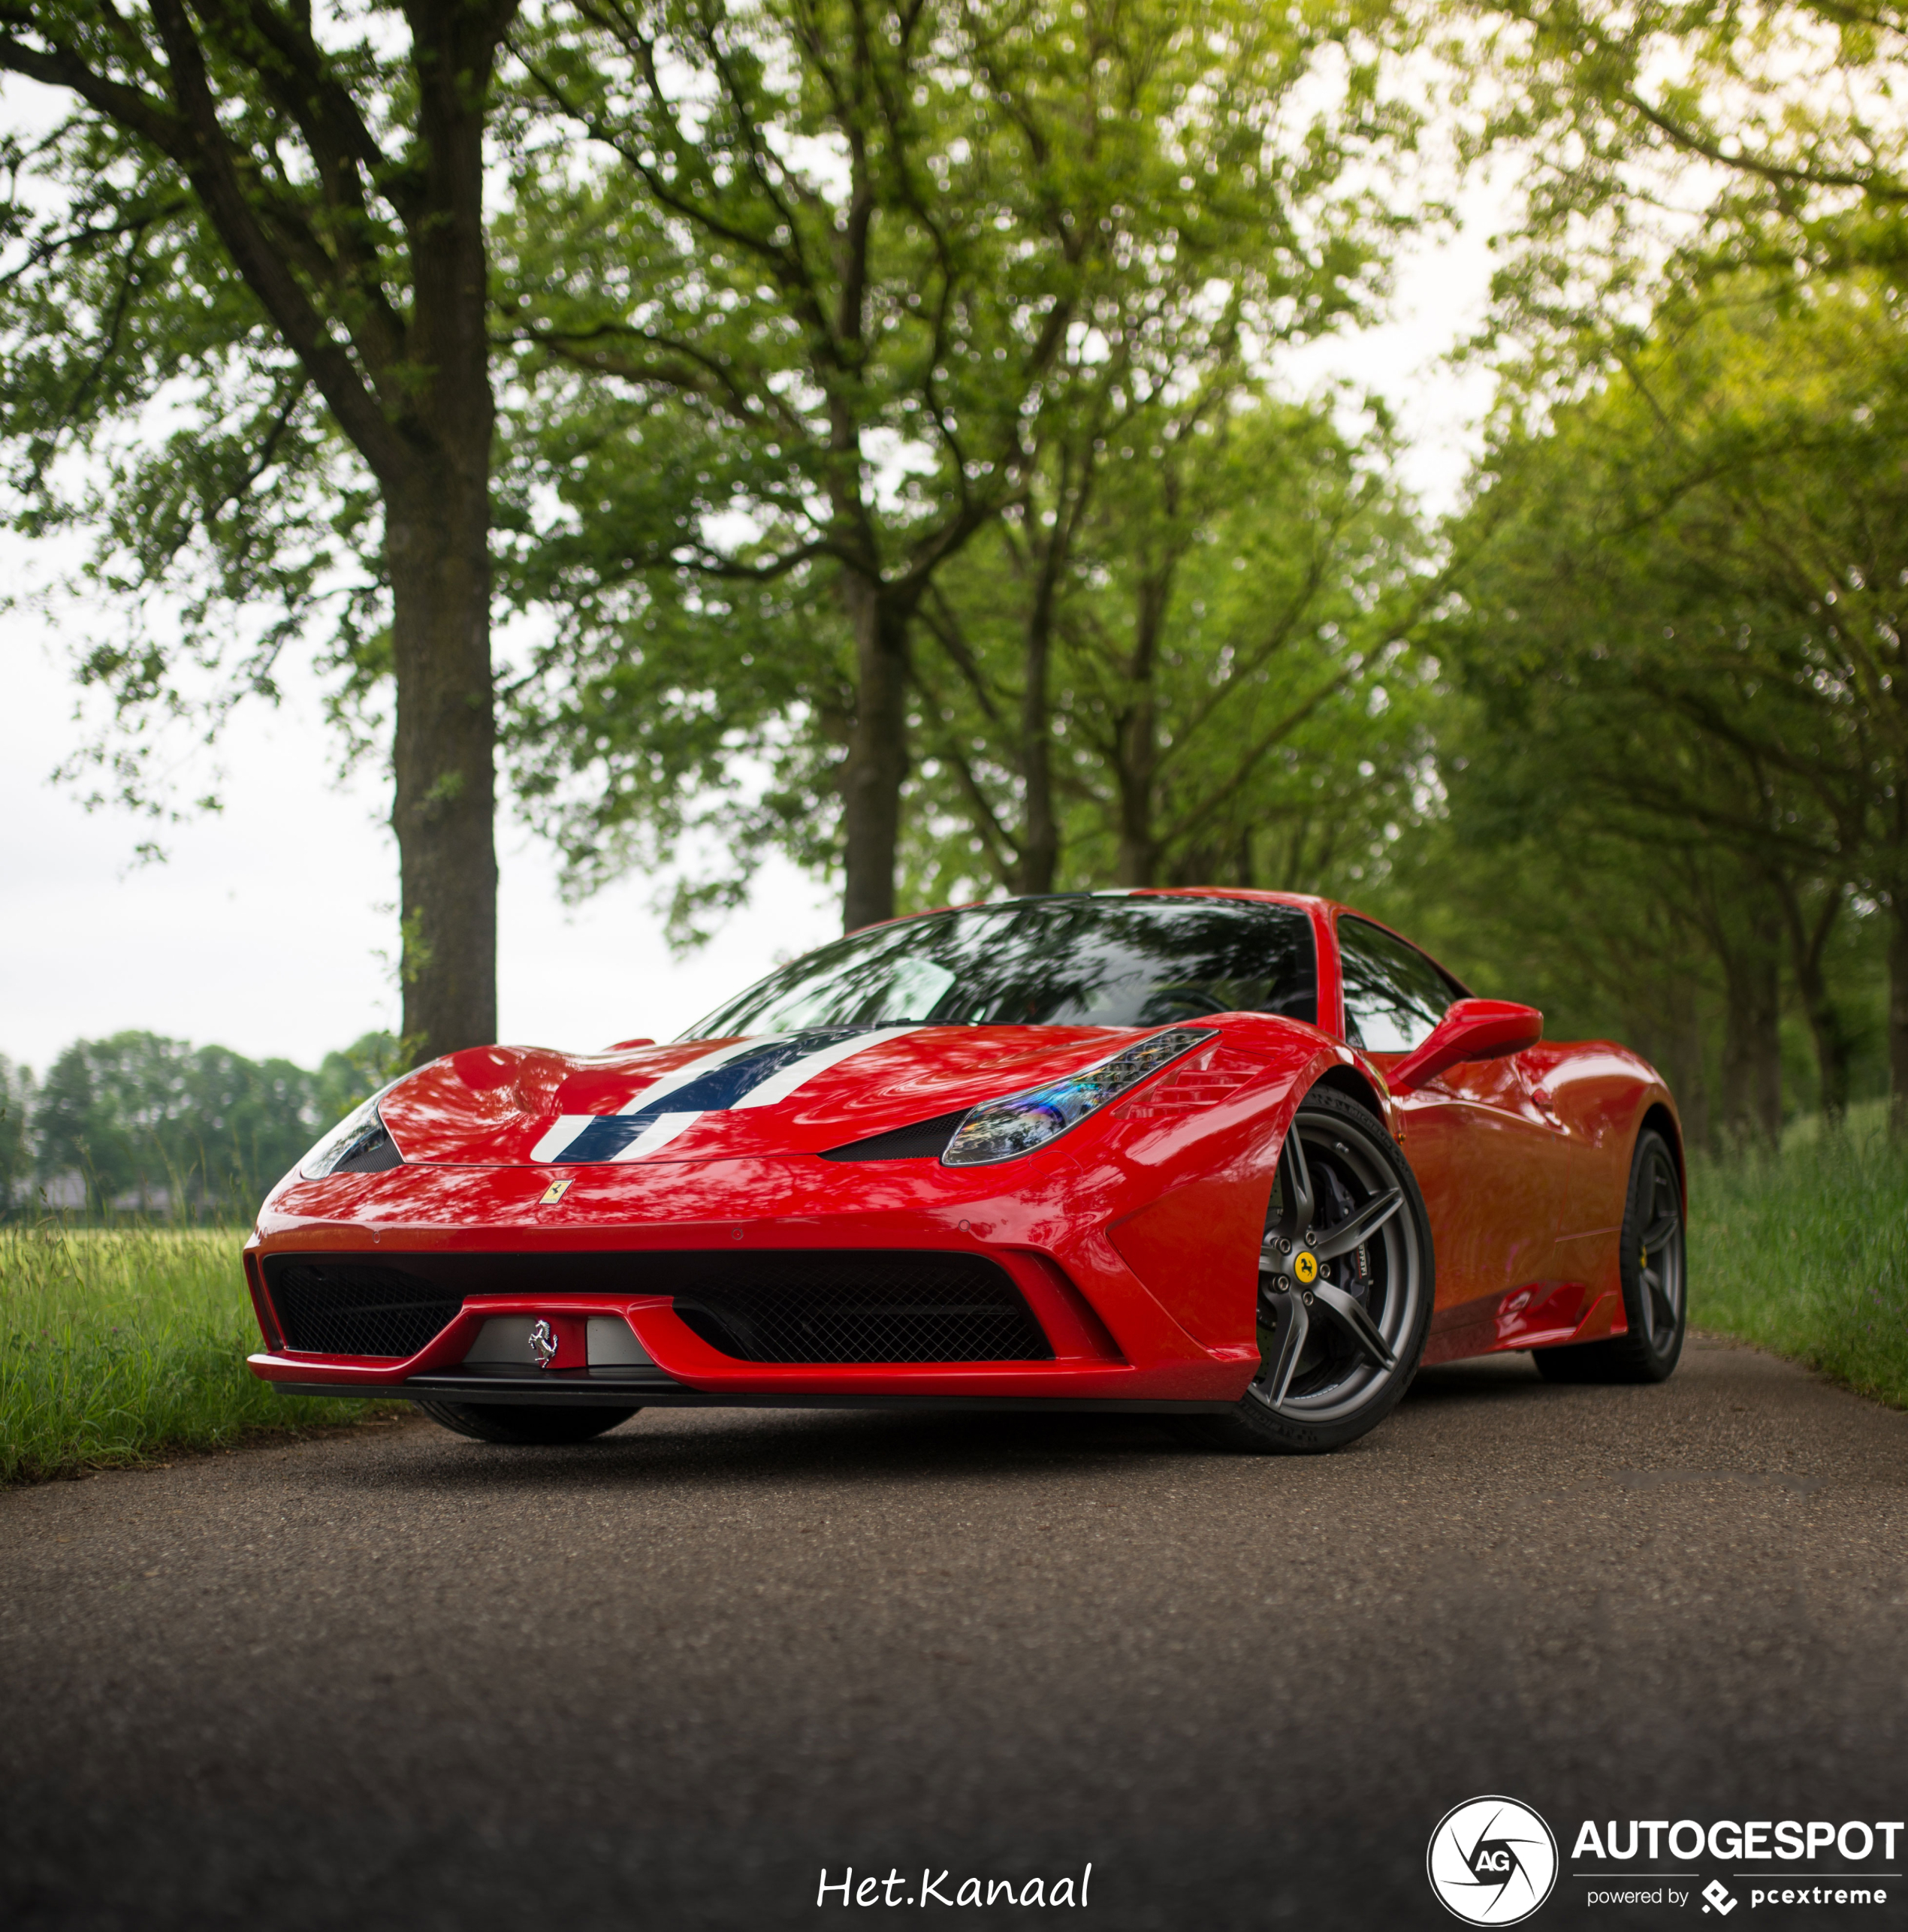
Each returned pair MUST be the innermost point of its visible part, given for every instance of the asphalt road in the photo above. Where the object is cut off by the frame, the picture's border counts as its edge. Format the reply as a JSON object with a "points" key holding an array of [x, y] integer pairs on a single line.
{"points": [[392, 1678]]}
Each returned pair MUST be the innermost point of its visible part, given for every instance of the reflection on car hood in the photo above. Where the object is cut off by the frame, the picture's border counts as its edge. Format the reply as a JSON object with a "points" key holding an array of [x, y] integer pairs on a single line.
{"points": [[707, 1099]]}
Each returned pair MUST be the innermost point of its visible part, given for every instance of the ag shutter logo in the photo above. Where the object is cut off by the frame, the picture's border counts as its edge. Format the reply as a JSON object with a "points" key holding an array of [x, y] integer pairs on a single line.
{"points": [[1492, 1860]]}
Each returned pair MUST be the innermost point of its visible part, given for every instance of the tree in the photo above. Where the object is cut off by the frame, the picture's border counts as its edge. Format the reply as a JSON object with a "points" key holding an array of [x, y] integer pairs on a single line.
{"points": [[150, 1122], [808, 316], [1689, 616], [16, 1141], [273, 225], [1213, 635], [1784, 110], [344, 1080]]}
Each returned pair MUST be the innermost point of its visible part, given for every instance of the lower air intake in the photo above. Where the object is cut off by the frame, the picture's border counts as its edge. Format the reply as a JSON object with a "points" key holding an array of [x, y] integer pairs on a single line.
{"points": [[355, 1307], [862, 1307]]}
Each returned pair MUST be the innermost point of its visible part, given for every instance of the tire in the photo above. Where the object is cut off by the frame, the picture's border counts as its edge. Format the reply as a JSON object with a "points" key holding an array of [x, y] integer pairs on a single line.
{"points": [[1338, 1351], [526, 1422], [1654, 1263]]}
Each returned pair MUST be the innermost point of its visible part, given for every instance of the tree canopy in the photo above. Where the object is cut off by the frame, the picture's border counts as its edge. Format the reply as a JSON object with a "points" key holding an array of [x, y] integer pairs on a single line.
{"points": [[879, 417]]}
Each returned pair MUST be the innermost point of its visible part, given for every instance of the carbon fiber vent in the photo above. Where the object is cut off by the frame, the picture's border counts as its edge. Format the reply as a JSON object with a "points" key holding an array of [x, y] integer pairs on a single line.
{"points": [[356, 1308], [862, 1307], [925, 1140]]}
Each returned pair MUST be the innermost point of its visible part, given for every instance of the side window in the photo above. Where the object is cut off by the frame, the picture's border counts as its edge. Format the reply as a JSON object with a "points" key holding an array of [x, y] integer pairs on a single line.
{"points": [[1394, 995]]}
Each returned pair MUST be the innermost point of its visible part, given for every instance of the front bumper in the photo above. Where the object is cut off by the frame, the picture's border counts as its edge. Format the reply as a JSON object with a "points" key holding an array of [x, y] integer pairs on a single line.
{"points": [[1133, 1244], [1111, 1338]]}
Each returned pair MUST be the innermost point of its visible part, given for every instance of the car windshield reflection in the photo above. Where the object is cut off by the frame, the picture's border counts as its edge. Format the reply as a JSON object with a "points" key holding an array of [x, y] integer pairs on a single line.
{"points": [[1098, 960]]}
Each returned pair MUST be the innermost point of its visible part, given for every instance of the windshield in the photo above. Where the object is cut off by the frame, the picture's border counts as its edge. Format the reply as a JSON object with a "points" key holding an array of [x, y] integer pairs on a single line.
{"points": [[1064, 961]]}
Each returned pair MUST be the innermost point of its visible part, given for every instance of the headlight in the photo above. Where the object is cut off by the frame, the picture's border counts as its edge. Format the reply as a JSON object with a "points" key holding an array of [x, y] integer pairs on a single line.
{"points": [[1001, 1130], [359, 1144]]}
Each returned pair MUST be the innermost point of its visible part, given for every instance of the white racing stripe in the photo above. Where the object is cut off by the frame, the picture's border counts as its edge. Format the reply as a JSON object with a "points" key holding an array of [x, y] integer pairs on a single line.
{"points": [[774, 1091], [566, 1128]]}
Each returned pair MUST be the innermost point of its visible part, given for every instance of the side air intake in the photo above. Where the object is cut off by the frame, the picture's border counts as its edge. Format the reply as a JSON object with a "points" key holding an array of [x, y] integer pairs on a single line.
{"points": [[357, 1308]]}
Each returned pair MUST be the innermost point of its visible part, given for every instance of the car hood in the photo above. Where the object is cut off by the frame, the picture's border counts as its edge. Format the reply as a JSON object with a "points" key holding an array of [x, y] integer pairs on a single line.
{"points": [[711, 1099]]}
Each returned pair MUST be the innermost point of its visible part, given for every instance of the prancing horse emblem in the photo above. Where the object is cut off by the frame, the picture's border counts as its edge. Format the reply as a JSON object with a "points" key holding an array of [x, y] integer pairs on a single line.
{"points": [[543, 1344]]}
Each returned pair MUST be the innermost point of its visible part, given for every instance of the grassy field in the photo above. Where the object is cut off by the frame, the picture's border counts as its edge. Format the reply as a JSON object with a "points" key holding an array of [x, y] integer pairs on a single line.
{"points": [[1805, 1253], [117, 1345]]}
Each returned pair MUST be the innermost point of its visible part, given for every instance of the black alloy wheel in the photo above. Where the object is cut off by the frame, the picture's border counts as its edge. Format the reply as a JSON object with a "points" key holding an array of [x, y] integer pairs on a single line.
{"points": [[1345, 1285], [529, 1422], [1655, 1281]]}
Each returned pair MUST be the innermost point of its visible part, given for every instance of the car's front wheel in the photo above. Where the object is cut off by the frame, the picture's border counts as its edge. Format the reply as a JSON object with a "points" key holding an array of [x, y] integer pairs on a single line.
{"points": [[526, 1422], [1345, 1284]]}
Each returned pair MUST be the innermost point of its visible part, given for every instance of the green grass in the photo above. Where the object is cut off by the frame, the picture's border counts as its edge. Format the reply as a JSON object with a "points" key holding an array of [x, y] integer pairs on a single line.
{"points": [[116, 1345], [1805, 1252]]}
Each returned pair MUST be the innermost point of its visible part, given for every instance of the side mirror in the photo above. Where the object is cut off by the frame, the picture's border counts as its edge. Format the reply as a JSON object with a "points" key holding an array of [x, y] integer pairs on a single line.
{"points": [[1472, 1030]]}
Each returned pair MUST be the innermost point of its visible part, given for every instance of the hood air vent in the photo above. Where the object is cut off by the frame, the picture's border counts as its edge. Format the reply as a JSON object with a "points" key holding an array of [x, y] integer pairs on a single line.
{"points": [[925, 1140]]}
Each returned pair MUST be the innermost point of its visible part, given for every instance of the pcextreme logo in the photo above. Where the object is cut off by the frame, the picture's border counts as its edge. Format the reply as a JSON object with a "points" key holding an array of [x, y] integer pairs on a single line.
{"points": [[1492, 1860]]}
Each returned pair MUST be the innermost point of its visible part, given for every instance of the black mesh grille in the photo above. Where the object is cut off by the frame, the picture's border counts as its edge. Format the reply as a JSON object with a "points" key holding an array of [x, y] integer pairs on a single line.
{"points": [[784, 1305], [886, 1307], [355, 1307]]}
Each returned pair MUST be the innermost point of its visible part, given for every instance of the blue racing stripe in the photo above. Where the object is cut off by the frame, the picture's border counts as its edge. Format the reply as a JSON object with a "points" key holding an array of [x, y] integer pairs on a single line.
{"points": [[603, 1138], [721, 1087], [715, 1091]]}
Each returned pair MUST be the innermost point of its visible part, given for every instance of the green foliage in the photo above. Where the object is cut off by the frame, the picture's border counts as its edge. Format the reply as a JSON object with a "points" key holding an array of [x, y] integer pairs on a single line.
{"points": [[344, 1080], [168, 1125], [16, 1091], [1776, 123], [1683, 747], [804, 300], [148, 399], [1805, 1253], [116, 1346], [1227, 699], [143, 1124]]}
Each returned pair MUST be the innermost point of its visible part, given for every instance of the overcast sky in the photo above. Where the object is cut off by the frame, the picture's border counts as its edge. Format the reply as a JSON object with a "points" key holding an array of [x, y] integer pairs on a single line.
{"points": [[266, 928]]}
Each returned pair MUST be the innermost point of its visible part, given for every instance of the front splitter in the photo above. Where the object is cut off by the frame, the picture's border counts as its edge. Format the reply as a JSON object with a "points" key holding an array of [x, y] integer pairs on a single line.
{"points": [[585, 1388]]}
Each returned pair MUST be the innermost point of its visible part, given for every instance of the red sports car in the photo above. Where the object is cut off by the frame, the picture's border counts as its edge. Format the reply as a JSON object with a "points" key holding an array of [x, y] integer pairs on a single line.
{"points": [[1244, 1159]]}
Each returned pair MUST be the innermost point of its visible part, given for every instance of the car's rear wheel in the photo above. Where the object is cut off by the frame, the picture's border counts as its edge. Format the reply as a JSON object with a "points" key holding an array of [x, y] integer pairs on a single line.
{"points": [[1345, 1283], [1655, 1277], [526, 1422]]}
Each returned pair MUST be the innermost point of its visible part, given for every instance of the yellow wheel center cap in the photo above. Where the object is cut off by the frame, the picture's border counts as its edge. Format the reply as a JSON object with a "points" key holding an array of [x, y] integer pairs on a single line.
{"points": [[1305, 1266]]}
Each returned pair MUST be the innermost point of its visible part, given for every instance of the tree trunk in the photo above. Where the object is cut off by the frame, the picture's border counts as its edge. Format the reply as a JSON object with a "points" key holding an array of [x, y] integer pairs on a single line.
{"points": [[877, 765], [1684, 1059], [436, 534], [1751, 1049], [437, 549], [1138, 856], [1039, 840], [1898, 1015], [1137, 757], [1808, 942]]}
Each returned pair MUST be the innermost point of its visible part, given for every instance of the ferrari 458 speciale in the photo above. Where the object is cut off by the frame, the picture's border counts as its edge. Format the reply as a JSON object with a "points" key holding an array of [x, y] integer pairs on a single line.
{"points": [[1243, 1159]]}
